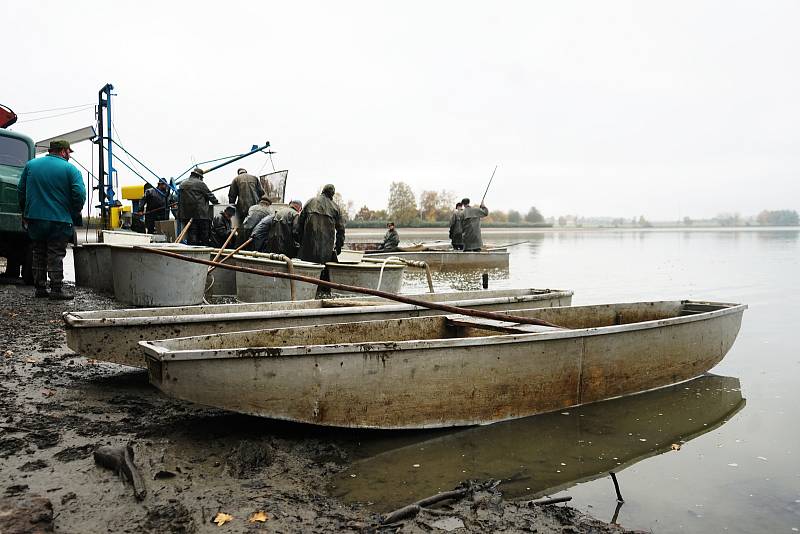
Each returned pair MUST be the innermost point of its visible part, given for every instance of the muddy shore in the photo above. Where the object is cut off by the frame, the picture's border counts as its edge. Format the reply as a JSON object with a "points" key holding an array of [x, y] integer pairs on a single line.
{"points": [[56, 408]]}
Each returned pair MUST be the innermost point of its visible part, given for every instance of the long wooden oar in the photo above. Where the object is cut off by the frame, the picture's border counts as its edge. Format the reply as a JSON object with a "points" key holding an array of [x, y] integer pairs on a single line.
{"points": [[342, 287]]}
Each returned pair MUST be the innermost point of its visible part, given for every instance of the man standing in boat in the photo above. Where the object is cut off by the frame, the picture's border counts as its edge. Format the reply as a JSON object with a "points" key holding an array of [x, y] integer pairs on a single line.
{"points": [[391, 239], [471, 225], [456, 228], [321, 228], [254, 216], [221, 227], [194, 196], [245, 192], [51, 196], [278, 233]]}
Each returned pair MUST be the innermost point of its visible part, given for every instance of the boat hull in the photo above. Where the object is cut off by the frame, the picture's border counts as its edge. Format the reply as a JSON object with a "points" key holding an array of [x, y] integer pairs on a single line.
{"points": [[431, 383], [113, 335], [452, 260]]}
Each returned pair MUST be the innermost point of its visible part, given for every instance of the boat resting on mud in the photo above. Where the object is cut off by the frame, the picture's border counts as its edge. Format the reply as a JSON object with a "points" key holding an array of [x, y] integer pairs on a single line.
{"points": [[447, 370], [112, 335]]}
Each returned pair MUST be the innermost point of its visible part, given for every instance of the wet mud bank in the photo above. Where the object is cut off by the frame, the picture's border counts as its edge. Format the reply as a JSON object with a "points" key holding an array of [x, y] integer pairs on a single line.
{"points": [[198, 465]]}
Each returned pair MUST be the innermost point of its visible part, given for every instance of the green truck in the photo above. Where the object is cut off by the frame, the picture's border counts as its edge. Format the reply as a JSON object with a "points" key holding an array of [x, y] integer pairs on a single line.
{"points": [[15, 151]]}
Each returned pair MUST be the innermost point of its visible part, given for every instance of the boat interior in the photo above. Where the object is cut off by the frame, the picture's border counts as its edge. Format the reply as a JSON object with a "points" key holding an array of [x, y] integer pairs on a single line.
{"points": [[443, 327], [363, 300]]}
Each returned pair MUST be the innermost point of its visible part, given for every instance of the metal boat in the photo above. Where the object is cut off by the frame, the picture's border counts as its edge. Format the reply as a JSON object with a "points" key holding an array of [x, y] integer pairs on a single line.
{"points": [[112, 335], [443, 371]]}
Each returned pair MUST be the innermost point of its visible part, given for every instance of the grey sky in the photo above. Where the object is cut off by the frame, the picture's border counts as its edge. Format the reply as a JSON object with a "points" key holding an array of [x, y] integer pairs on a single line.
{"points": [[665, 109]]}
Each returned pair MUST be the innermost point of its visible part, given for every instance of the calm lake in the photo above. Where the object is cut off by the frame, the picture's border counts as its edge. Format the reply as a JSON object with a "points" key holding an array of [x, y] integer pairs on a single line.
{"points": [[719, 454]]}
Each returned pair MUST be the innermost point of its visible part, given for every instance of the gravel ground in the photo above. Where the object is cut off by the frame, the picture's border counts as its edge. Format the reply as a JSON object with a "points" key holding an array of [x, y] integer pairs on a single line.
{"points": [[56, 408]]}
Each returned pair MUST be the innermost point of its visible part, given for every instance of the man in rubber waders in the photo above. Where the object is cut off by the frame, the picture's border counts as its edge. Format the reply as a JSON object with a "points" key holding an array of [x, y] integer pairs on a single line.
{"points": [[456, 228], [51, 196], [193, 204], [245, 191], [278, 233], [471, 226], [254, 216], [321, 228]]}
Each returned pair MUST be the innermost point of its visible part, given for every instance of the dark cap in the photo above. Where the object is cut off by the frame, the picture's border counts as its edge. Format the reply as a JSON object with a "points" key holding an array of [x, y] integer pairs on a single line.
{"points": [[230, 209], [241, 171], [329, 190], [197, 171], [60, 144]]}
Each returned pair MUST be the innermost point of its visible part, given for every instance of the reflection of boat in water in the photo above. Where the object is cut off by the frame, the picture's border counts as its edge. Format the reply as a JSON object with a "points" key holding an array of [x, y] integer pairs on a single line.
{"points": [[545, 453]]}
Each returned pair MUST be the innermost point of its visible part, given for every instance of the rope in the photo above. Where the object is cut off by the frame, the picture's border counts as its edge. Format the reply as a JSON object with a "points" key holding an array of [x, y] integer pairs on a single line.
{"points": [[55, 109], [383, 264], [54, 116]]}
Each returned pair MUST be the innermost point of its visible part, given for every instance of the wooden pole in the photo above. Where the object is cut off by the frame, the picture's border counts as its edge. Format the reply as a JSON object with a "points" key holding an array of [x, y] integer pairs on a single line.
{"points": [[225, 244], [214, 265], [183, 232], [342, 287], [487, 185]]}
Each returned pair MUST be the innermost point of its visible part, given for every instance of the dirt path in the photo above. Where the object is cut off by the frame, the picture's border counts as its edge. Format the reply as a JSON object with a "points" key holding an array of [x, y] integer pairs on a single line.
{"points": [[57, 407]]}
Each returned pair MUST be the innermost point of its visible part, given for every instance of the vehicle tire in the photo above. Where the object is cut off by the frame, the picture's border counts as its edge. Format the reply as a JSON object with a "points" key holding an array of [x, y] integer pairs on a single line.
{"points": [[27, 265], [12, 268]]}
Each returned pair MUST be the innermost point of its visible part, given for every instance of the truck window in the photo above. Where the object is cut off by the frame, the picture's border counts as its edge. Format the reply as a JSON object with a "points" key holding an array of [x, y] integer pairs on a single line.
{"points": [[13, 152]]}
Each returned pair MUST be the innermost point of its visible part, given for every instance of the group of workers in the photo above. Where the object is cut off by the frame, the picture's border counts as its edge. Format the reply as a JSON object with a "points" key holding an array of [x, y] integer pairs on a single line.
{"points": [[465, 229], [312, 233], [465, 226]]}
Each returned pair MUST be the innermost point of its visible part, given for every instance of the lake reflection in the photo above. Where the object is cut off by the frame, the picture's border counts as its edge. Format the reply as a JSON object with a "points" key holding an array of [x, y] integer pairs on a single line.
{"points": [[542, 454]]}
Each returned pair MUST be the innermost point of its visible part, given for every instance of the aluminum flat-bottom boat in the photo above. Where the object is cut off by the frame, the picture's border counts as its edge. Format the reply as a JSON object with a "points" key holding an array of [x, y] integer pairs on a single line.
{"points": [[112, 335], [444, 371]]}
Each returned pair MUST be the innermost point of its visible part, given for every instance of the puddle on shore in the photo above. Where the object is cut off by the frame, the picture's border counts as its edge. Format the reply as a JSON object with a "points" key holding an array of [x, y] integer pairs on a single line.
{"points": [[541, 454]]}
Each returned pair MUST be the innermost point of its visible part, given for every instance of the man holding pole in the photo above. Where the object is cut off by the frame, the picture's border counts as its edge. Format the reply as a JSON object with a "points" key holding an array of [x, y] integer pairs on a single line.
{"points": [[471, 225]]}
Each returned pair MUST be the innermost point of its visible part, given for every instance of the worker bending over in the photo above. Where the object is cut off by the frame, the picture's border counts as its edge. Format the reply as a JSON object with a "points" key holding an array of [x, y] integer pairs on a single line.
{"points": [[277, 233]]}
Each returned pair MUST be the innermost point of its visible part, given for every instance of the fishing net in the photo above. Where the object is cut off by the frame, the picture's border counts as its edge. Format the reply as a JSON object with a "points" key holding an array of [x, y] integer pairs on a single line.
{"points": [[274, 185]]}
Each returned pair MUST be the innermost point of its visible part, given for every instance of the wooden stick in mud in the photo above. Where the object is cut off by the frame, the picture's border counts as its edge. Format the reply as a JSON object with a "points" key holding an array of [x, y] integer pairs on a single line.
{"points": [[120, 459], [214, 265], [183, 232], [342, 287], [413, 509]]}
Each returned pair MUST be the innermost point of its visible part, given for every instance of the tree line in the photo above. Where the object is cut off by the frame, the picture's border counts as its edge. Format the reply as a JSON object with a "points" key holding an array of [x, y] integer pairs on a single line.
{"points": [[433, 206]]}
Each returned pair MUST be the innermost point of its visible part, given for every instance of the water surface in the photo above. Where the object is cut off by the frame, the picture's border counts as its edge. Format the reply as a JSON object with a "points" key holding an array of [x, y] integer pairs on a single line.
{"points": [[738, 467]]}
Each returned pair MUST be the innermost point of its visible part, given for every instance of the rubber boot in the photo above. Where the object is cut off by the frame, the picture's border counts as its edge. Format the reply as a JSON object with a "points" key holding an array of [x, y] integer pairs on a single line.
{"points": [[57, 293]]}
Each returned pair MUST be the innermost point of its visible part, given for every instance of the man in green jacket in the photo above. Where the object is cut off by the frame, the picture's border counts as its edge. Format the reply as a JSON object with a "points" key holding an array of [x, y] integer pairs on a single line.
{"points": [[51, 195]]}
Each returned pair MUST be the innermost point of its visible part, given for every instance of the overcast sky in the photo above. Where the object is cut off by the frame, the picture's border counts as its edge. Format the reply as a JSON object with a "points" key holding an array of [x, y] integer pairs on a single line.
{"points": [[661, 109]]}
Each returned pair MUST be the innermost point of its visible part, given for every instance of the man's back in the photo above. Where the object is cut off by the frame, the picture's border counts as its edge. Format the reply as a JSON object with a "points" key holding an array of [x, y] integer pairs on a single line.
{"points": [[194, 199], [51, 189], [471, 226]]}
